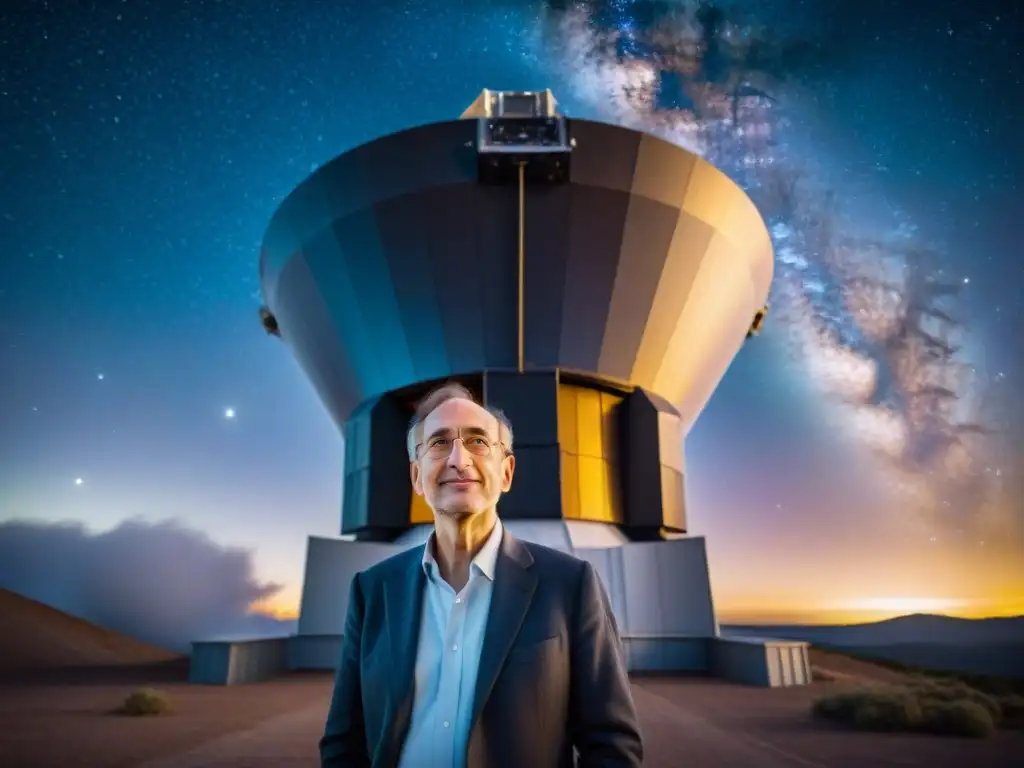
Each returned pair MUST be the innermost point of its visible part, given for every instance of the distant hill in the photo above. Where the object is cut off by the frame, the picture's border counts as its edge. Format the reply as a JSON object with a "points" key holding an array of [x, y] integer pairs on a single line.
{"points": [[916, 628], [37, 637], [980, 646], [992, 660]]}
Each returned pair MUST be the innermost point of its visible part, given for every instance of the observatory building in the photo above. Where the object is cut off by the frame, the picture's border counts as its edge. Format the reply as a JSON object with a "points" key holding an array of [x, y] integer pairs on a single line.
{"points": [[594, 282]]}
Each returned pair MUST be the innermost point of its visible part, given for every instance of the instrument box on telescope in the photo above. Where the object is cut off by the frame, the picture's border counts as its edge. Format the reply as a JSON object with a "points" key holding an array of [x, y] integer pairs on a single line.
{"points": [[520, 128]]}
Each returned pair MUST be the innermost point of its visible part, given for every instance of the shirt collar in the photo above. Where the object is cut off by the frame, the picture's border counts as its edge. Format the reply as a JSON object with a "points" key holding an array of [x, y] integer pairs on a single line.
{"points": [[486, 559]]}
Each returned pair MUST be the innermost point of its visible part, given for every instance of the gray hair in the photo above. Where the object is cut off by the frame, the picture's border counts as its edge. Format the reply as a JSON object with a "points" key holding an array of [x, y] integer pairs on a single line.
{"points": [[442, 394]]}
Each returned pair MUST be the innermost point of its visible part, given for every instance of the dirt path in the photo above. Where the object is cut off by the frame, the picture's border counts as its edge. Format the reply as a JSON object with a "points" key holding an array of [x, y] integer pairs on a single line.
{"points": [[291, 739], [685, 722], [288, 741]]}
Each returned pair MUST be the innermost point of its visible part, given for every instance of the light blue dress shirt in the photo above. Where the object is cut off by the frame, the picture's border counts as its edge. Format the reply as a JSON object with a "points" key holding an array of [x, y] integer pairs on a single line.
{"points": [[452, 628]]}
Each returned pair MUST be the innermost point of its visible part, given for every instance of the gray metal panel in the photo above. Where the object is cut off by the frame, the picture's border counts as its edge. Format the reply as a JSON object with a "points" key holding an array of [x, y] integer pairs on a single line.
{"points": [[418, 159], [658, 603], [237, 662], [355, 505], [309, 652], [607, 563], [651, 440], [755, 661], [388, 167], [537, 491], [349, 320], [254, 661], [546, 249], [209, 663], [646, 238], [403, 233], [495, 217], [692, 236], [307, 328], [596, 221], [549, 533], [530, 401], [330, 566], [673, 499], [375, 448], [588, 535], [364, 260], [740, 663], [667, 654], [604, 156], [457, 274]]}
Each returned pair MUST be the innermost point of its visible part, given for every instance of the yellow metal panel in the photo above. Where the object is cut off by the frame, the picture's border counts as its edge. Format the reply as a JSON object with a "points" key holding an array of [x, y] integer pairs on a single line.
{"points": [[420, 511], [613, 492], [568, 431], [588, 421], [570, 486], [593, 499], [587, 432], [610, 427]]}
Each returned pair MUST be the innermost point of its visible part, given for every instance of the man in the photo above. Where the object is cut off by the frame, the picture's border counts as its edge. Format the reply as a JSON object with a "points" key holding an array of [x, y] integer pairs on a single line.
{"points": [[477, 650]]}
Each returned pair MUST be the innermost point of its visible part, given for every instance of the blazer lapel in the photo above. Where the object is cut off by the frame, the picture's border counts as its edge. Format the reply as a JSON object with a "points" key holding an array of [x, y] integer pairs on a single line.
{"points": [[403, 601], [514, 585]]}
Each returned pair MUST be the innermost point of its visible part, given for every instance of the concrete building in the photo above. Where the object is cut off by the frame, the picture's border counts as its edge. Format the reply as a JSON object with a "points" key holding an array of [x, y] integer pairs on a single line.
{"points": [[594, 282]]}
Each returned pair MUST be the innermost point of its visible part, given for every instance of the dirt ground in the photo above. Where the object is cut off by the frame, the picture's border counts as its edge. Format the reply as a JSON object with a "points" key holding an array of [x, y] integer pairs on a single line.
{"points": [[686, 722], [46, 723]]}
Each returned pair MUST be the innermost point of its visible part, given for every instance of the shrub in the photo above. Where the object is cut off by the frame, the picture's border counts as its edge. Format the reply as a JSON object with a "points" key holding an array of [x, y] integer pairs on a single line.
{"points": [[883, 709], [838, 707], [947, 691], [959, 717], [936, 709], [1012, 711], [145, 701]]}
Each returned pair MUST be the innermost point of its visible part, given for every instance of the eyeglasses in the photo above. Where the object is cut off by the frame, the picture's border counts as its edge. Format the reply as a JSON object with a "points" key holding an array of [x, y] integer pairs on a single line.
{"points": [[440, 447]]}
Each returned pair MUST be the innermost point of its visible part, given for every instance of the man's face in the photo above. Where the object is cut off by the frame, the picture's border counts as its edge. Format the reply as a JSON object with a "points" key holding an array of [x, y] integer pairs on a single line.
{"points": [[461, 483]]}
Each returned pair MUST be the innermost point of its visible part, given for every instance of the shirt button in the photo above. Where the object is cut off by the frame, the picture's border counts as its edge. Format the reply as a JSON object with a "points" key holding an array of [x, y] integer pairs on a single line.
{"points": [[458, 599], [455, 647], [445, 723]]}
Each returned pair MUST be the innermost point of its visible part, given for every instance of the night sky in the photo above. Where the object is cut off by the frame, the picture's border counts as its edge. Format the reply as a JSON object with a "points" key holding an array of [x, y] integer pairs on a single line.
{"points": [[145, 149]]}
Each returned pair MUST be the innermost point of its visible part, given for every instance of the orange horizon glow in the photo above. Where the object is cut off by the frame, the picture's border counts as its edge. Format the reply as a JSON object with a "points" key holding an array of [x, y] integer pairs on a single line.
{"points": [[286, 609], [862, 611]]}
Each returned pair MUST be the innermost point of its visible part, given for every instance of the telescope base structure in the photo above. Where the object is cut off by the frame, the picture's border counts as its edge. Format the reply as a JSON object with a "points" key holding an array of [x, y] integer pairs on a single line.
{"points": [[660, 592], [587, 450]]}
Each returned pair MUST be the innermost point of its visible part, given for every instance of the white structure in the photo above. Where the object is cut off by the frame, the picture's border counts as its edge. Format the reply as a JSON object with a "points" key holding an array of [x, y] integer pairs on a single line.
{"points": [[660, 591]]}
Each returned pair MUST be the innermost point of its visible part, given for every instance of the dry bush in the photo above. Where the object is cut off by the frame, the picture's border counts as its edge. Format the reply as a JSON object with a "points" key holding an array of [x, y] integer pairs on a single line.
{"points": [[947, 709], [959, 717], [145, 702], [947, 691], [1011, 708], [878, 709]]}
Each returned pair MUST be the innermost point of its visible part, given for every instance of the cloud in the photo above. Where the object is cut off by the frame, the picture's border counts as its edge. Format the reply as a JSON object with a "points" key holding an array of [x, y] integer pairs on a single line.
{"points": [[163, 583]]}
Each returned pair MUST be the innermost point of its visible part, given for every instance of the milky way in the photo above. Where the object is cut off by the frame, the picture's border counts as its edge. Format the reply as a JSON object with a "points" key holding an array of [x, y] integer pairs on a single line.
{"points": [[874, 321]]}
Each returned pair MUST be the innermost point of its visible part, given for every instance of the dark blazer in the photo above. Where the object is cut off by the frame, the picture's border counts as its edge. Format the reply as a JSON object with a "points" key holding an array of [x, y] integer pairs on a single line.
{"points": [[552, 668]]}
